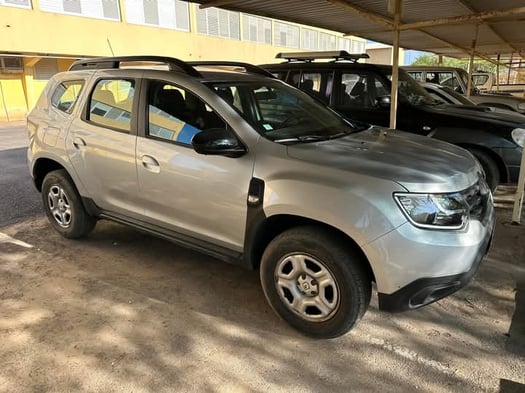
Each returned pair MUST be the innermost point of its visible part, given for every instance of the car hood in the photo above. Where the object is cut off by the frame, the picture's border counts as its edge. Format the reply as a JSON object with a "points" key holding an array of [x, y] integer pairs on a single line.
{"points": [[419, 164], [481, 113]]}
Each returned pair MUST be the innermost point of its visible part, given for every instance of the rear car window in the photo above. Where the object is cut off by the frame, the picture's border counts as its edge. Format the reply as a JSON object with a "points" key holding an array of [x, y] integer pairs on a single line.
{"points": [[66, 94], [111, 102]]}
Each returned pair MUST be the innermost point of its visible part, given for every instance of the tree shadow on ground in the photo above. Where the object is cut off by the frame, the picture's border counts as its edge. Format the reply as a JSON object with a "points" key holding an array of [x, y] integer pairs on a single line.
{"points": [[124, 311]]}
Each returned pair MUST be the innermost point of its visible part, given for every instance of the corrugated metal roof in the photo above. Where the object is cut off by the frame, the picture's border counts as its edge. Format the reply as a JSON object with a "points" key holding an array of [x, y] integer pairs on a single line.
{"points": [[371, 19]]}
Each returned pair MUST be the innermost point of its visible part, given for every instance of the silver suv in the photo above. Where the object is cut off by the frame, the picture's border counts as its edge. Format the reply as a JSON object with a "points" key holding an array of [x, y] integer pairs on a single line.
{"points": [[228, 160]]}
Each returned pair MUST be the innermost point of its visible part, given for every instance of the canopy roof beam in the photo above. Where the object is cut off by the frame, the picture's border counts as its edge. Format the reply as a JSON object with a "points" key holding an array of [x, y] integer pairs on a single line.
{"points": [[218, 3], [488, 24], [478, 17]]}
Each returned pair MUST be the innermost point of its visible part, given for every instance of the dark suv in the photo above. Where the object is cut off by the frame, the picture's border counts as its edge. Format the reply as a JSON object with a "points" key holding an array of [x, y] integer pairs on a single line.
{"points": [[362, 92]]}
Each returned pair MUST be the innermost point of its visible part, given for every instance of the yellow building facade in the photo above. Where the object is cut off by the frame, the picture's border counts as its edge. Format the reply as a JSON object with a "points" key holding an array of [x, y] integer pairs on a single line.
{"points": [[41, 37]]}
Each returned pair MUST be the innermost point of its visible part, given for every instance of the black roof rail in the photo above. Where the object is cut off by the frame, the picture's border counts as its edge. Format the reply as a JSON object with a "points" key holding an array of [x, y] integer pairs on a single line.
{"points": [[101, 63], [311, 56], [247, 66]]}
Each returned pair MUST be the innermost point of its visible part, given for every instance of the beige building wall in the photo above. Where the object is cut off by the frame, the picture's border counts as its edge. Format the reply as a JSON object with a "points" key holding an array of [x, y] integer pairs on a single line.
{"points": [[383, 55], [35, 35]]}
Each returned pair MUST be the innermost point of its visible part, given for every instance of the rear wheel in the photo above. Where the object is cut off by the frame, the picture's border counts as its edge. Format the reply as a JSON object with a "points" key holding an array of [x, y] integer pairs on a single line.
{"points": [[63, 206], [314, 282], [490, 167]]}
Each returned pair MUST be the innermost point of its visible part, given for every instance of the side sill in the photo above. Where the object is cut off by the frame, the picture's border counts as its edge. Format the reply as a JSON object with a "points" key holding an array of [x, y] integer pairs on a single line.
{"points": [[213, 250]]}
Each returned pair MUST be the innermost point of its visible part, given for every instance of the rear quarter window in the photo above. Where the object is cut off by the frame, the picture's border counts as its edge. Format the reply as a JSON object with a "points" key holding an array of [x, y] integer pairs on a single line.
{"points": [[66, 94]]}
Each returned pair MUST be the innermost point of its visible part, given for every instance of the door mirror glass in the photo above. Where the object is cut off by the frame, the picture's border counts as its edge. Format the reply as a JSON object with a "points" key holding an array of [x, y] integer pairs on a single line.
{"points": [[217, 141]]}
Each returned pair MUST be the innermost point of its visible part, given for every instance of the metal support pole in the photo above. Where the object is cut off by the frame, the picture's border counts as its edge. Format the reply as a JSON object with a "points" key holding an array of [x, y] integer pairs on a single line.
{"points": [[471, 61], [395, 63], [518, 198], [497, 73], [510, 65]]}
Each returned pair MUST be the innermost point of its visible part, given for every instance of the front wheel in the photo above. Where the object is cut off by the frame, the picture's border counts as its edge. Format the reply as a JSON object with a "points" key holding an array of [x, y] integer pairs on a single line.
{"points": [[315, 282], [63, 206]]}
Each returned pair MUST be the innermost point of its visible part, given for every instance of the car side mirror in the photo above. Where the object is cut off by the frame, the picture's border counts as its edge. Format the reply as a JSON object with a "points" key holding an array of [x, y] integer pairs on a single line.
{"points": [[217, 141], [383, 101]]}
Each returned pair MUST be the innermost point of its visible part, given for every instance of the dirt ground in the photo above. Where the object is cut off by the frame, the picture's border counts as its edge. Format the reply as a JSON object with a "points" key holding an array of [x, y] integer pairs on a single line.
{"points": [[122, 311]]}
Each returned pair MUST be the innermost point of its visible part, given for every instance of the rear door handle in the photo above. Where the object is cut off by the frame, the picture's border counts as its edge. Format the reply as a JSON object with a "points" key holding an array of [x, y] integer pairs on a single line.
{"points": [[150, 163], [79, 142]]}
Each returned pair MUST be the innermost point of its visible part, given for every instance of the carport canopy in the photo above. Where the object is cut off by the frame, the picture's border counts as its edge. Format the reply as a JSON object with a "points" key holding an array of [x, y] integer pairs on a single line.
{"points": [[487, 29], [445, 27]]}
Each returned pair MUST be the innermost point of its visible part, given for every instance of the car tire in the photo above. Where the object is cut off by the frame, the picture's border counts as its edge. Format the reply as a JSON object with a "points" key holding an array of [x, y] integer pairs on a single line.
{"points": [[315, 282], [63, 206], [492, 175]]}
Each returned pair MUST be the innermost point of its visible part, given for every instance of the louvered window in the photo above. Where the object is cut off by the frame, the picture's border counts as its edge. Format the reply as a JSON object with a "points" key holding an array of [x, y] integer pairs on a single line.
{"points": [[170, 14], [256, 29], [309, 39], [286, 35], [100, 9], [344, 44], [45, 69], [358, 46], [16, 3], [221, 23], [327, 41], [11, 64]]}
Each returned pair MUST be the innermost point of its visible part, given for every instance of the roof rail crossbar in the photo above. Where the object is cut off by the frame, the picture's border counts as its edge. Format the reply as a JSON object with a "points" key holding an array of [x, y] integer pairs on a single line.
{"points": [[247, 66], [311, 56], [174, 64]]}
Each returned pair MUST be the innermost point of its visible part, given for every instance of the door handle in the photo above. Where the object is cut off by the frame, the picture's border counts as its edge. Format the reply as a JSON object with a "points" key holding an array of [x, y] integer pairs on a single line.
{"points": [[79, 142], [150, 163]]}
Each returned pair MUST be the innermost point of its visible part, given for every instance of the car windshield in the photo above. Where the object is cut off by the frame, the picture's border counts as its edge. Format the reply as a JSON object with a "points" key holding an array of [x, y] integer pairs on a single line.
{"points": [[460, 97], [283, 113], [411, 91]]}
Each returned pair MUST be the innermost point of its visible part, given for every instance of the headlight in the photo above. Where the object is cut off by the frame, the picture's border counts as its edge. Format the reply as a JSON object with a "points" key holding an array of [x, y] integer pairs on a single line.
{"points": [[434, 211], [518, 135]]}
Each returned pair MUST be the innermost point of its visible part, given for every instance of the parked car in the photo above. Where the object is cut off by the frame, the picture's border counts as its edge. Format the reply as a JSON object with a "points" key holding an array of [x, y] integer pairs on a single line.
{"points": [[362, 92], [449, 96], [246, 168], [486, 82], [457, 79]]}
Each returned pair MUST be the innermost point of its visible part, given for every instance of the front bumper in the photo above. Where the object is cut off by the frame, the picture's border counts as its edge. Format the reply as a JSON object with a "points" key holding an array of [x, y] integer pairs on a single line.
{"points": [[424, 291], [414, 267]]}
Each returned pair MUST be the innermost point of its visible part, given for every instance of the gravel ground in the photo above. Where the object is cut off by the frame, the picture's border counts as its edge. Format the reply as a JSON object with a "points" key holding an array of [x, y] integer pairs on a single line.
{"points": [[125, 312]]}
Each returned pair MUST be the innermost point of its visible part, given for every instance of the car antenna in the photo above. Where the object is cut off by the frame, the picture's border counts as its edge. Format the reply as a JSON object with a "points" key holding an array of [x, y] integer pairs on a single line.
{"points": [[110, 47]]}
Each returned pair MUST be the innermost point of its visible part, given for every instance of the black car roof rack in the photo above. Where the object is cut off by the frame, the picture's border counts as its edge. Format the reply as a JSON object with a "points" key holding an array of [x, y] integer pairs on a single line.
{"points": [[308, 57], [247, 66], [101, 63]]}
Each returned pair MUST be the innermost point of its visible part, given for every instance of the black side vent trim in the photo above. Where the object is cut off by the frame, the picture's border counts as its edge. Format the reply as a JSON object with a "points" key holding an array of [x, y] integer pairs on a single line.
{"points": [[255, 192]]}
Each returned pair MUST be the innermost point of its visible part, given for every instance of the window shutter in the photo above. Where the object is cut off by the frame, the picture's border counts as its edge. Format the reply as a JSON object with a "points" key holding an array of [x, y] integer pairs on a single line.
{"points": [[45, 69]]}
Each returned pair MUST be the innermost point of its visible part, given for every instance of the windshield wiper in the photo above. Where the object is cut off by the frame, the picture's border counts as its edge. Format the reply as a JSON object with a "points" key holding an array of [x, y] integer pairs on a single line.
{"points": [[303, 138], [313, 138]]}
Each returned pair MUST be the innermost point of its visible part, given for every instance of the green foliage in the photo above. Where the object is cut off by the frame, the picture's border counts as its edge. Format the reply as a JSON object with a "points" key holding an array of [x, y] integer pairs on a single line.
{"points": [[431, 59]]}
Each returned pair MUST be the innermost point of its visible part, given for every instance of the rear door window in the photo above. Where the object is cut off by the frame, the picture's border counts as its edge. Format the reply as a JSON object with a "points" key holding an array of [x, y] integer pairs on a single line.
{"points": [[316, 84], [417, 75], [360, 90], [111, 103]]}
